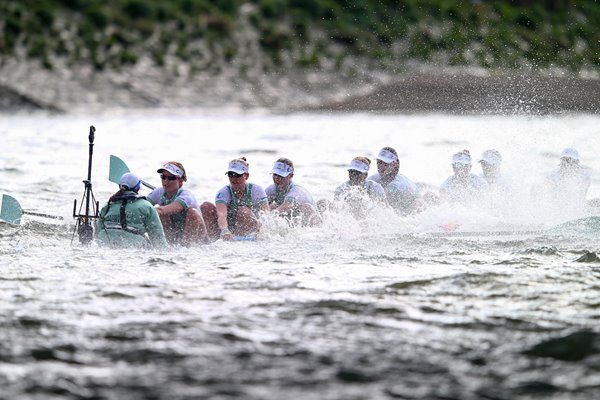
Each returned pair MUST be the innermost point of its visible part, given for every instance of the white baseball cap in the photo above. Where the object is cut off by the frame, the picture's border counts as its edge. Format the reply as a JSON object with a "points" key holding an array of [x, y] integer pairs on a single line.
{"points": [[357, 165], [461, 158], [172, 168], [129, 181], [238, 167], [387, 156], [570, 152], [491, 156], [282, 169]]}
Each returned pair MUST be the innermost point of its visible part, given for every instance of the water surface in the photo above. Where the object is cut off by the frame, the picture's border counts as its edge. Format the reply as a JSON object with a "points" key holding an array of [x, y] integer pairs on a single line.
{"points": [[377, 309]]}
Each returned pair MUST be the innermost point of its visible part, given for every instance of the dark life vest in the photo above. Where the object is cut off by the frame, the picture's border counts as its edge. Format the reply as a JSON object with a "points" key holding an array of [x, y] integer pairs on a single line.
{"points": [[124, 199]]}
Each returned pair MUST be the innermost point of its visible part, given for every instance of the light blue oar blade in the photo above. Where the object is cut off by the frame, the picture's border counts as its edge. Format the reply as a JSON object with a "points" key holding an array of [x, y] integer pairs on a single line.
{"points": [[116, 169], [250, 238], [11, 210]]}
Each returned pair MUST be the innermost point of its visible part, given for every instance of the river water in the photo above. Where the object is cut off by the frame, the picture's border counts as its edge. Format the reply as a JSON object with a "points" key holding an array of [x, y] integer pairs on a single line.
{"points": [[388, 307]]}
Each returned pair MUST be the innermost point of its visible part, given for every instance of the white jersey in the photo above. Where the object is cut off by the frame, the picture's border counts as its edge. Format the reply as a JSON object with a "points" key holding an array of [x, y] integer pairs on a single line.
{"points": [[401, 192], [183, 197], [569, 187], [373, 189], [462, 191], [255, 196], [360, 199], [399, 184], [499, 184], [295, 195]]}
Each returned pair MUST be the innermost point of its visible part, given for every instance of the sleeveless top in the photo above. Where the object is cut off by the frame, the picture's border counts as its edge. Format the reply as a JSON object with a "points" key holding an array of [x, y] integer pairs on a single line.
{"points": [[254, 197]]}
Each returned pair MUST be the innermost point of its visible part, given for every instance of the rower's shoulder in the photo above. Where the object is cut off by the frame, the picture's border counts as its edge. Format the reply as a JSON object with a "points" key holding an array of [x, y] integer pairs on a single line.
{"points": [[271, 190]]}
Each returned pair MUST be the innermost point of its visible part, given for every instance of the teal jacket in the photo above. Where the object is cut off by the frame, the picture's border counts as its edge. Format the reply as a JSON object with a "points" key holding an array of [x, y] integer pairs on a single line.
{"points": [[130, 221]]}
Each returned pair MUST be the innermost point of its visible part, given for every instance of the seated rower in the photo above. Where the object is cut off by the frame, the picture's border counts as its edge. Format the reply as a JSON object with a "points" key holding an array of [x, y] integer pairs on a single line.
{"points": [[463, 186], [567, 186], [359, 193], [129, 220], [178, 207], [237, 205], [491, 161], [289, 199], [401, 193]]}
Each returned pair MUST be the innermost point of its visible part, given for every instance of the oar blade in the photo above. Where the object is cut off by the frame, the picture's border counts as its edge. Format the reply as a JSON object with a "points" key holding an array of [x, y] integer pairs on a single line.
{"points": [[116, 169], [249, 238], [11, 210]]}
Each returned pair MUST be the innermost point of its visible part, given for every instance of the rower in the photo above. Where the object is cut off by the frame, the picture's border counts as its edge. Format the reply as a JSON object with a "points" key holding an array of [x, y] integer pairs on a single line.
{"points": [[568, 185], [462, 186], [358, 193], [288, 199], [129, 220], [237, 205], [402, 193], [490, 166], [177, 207]]}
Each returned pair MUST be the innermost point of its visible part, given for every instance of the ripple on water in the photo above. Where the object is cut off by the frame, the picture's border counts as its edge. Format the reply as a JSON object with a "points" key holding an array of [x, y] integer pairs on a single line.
{"points": [[544, 251], [574, 346], [588, 257]]}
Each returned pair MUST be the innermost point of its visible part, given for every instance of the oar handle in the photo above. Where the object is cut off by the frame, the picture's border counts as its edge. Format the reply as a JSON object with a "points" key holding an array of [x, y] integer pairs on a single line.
{"points": [[37, 214], [149, 186]]}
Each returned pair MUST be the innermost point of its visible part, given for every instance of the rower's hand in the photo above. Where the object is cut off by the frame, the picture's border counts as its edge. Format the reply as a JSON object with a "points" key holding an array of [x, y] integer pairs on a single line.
{"points": [[226, 235]]}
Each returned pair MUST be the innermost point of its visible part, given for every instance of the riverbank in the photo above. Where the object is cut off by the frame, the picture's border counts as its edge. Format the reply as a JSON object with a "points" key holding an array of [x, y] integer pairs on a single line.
{"points": [[507, 92], [28, 87], [287, 55]]}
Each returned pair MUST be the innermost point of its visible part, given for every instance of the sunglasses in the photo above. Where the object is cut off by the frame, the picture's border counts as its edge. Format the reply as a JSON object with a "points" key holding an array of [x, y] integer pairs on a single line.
{"points": [[355, 172], [234, 175], [168, 178]]}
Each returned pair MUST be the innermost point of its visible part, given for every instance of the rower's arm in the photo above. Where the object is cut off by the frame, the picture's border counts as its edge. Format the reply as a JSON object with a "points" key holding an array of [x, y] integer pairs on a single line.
{"points": [[285, 207], [222, 221], [222, 216], [170, 209]]}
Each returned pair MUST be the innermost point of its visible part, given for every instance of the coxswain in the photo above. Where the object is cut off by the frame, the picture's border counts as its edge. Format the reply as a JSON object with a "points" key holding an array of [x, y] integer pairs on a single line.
{"points": [[129, 220]]}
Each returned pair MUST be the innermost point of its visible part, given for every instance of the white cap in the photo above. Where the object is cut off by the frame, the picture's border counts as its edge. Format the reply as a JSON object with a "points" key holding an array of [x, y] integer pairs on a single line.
{"points": [[570, 152], [129, 181], [172, 168], [282, 169], [357, 165], [461, 158], [387, 156], [491, 156], [238, 167]]}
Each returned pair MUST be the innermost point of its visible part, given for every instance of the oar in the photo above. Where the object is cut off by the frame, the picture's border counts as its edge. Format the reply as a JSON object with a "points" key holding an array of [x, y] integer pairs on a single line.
{"points": [[11, 211], [250, 238], [117, 168]]}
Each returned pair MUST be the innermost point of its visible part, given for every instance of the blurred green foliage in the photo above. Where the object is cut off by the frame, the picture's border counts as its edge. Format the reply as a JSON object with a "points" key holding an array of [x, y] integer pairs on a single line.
{"points": [[307, 33]]}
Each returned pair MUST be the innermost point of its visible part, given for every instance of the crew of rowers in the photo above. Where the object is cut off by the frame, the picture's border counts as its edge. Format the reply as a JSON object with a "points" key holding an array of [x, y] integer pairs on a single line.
{"points": [[170, 214]]}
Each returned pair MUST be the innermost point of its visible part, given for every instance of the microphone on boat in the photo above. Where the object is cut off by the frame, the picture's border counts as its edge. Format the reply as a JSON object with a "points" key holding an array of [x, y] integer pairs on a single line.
{"points": [[84, 227]]}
